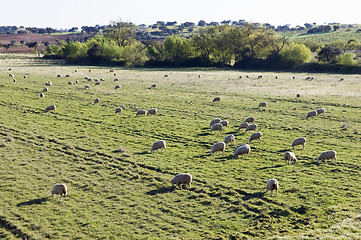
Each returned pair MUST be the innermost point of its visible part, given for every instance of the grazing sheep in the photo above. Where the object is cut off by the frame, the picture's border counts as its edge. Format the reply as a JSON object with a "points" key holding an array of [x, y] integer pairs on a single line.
{"points": [[247, 76], [260, 76], [75, 70], [152, 111], [116, 87], [58, 76], [241, 150], [298, 95], [49, 108], [111, 70], [96, 100], [320, 110], [272, 185], [102, 79], [214, 121], [327, 155], [70, 83], [154, 86], [217, 127], [60, 190], [118, 110], [86, 86], [229, 138], [262, 104], [158, 145], [11, 75], [290, 157], [249, 120], [225, 123], [299, 141], [67, 76], [115, 80], [256, 135], [240, 76], [277, 77], [14, 80], [76, 81], [141, 112], [311, 114], [115, 74], [45, 89], [48, 83], [97, 83], [90, 70], [42, 95], [293, 77], [218, 147], [182, 179], [251, 127], [166, 75], [243, 125], [341, 79], [25, 77], [216, 99]]}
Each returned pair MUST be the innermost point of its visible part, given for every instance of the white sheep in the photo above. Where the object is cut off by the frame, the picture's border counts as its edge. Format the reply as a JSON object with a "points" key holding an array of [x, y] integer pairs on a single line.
{"points": [[14, 80], [228, 139], [158, 145], [272, 184], [49, 108], [241, 150], [141, 112], [60, 190], [42, 95], [249, 120], [218, 147], [76, 81], [118, 110], [327, 155], [320, 110], [225, 123], [216, 99], [290, 157], [299, 141], [256, 135], [152, 111], [311, 114], [262, 104], [70, 83], [298, 95], [181, 180], [217, 127], [214, 121], [48, 83], [243, 125], [251, 127]]}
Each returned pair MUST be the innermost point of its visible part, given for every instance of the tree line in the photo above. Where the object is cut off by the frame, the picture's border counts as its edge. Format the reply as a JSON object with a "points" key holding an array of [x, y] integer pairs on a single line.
{"points": [[247, 46]]}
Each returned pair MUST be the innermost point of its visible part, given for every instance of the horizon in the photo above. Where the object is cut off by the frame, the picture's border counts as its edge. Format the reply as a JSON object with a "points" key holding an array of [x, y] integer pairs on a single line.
{"points": [[83, 13]]}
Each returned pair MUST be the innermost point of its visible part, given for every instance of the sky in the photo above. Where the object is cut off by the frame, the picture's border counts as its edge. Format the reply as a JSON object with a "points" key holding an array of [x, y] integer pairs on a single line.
{"points": [[76, 13]]}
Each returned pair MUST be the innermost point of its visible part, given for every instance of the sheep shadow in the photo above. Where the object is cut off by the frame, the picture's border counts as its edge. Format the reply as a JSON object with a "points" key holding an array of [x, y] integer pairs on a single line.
{"points": [[203, 134], [143, 153], [283, 150], [161, 190], [253, 195], [33, 202]]}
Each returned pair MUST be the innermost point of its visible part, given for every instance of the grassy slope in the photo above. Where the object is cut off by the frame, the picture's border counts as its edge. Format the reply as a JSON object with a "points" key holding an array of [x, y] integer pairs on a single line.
{"points": [[117, 189]]}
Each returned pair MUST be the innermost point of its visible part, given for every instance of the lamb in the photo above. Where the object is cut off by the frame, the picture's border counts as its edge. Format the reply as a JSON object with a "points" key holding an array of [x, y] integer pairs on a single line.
{"points": [[251, 127], [158, 145], [182, 179], [262, 104], [86, 86], [141, 112], [49, 108], [152, 111], [118, 110], [58, 76], [116, 87], [67, 75], [320, 110], [11, 75], [241, 150], [298, 95], [216, 99], [48, 83], [260, 76], [217, 127], [256, 135], [311, 114], [115, 80], [42, 95], [290, 157], [249, 120], [225, 123], [218, 147], [243, 125], [60, 190], [214, 121], [96, 100], [272, 185], [14, 80], [97, 83], [327, 155], [70, 83], [229, 138], [299, 141], [45, 89], [25, 77], [154, 86], [76, 81]]}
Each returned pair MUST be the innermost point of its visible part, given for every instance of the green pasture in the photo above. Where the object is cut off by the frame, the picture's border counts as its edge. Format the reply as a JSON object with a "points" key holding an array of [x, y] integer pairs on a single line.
{"points": [[118, 190]]}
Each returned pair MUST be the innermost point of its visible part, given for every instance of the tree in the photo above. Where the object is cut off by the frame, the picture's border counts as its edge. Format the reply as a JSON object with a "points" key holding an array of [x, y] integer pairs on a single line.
{"points": [[177, 49], [346, 59], [328, 54], [296, 53], [122, 32], [202, 23]]}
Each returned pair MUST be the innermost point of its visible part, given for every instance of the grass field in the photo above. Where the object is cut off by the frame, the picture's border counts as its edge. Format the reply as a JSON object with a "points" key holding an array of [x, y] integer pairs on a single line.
{"points": [[118, 190]]}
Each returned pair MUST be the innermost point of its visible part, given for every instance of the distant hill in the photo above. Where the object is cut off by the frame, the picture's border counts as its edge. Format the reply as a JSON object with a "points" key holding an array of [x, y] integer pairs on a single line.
{"points": [[34, 37]]}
